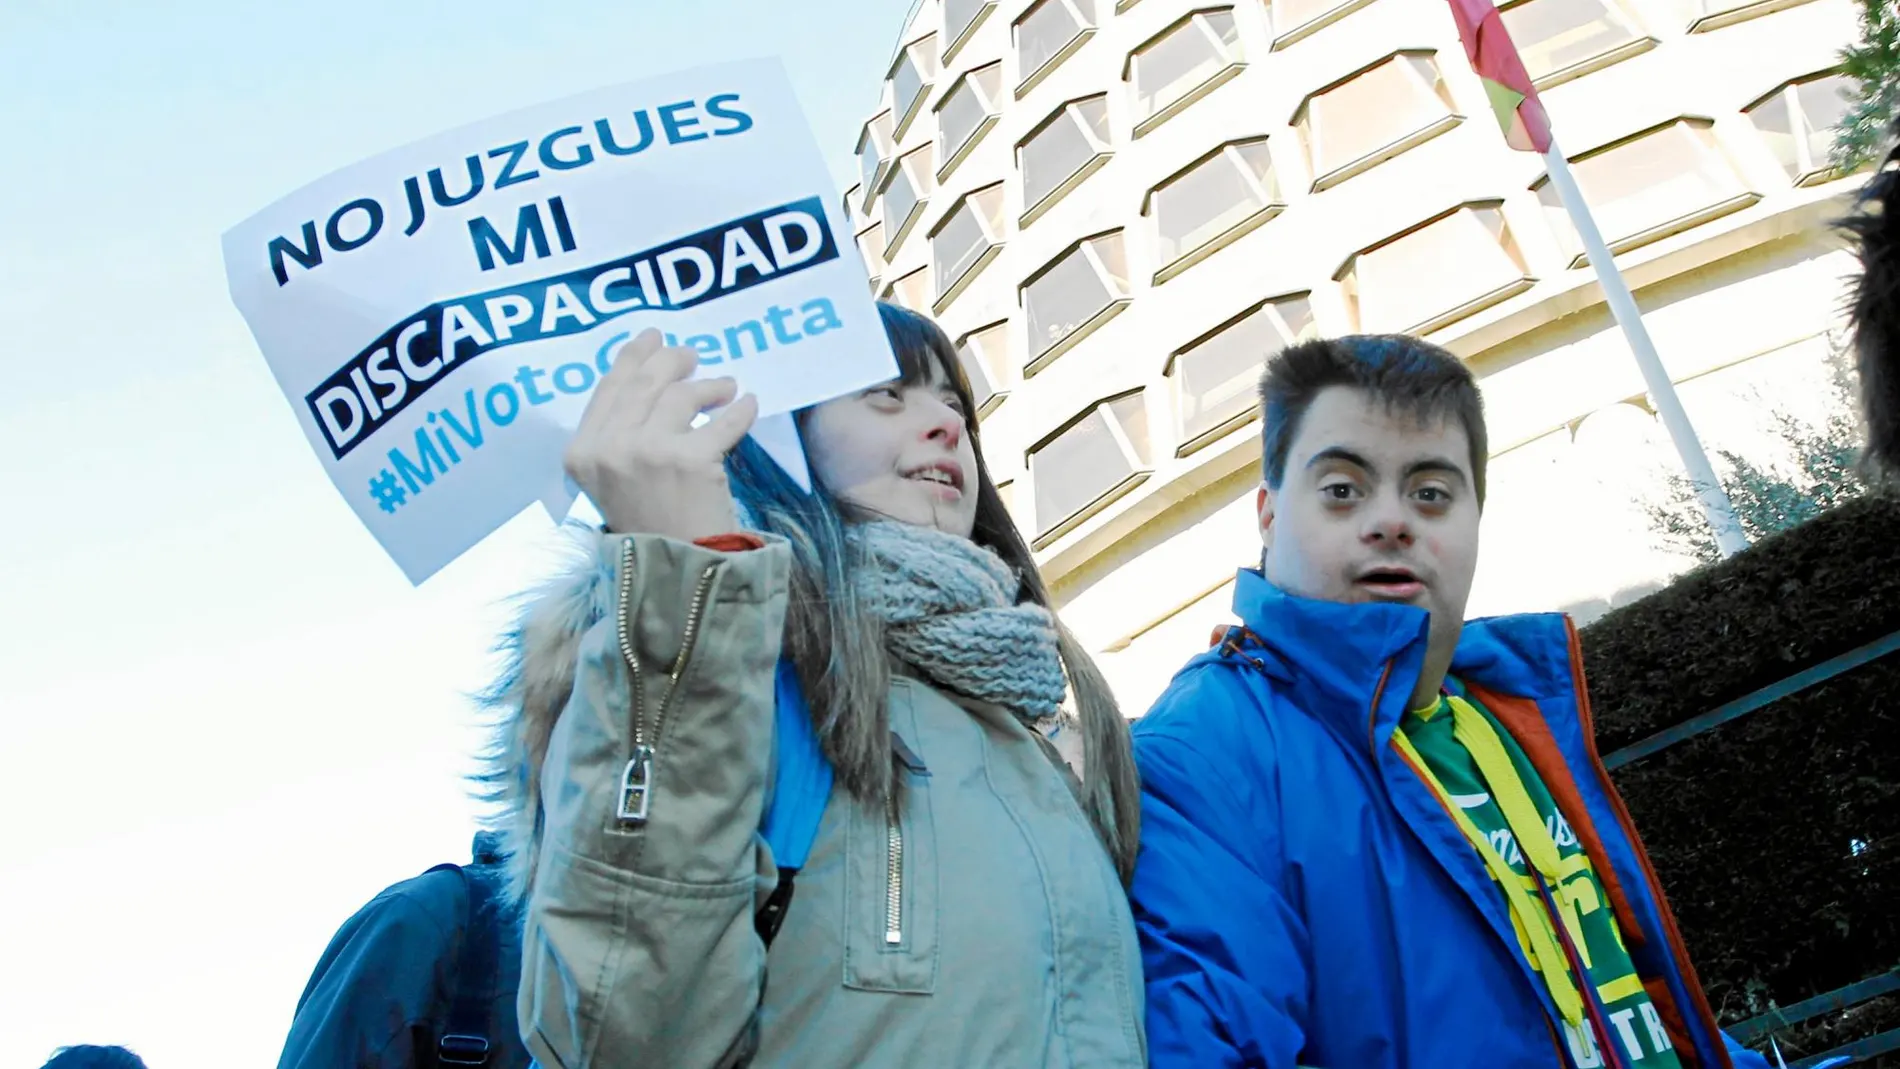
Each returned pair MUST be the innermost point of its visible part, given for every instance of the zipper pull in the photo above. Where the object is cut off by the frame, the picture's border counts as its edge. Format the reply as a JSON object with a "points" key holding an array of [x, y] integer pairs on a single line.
{"points": [[635, 786]]}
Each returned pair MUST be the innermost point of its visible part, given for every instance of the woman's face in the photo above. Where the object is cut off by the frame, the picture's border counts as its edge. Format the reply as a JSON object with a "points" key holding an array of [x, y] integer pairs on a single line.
{"points": [[898, 452]]}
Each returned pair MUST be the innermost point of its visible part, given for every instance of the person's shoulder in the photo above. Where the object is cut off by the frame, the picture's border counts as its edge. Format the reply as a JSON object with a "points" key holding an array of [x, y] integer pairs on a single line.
{"points": [[426, 907], [1211, 708]]}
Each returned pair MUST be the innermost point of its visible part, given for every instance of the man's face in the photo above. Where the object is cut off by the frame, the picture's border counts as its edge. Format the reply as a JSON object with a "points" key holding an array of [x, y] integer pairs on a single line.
{"points": [[1375, 506]]}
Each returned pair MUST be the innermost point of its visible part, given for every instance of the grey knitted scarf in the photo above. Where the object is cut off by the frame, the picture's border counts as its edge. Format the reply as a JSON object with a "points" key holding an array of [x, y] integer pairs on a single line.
{"points": [[949, 610]]}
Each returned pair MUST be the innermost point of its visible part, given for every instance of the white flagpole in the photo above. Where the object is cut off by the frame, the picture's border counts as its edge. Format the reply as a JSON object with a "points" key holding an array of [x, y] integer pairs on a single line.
{"points": [[1662, 393]]}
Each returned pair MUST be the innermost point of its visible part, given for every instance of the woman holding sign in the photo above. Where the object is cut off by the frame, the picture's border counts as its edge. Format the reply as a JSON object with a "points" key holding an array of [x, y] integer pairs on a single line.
{"points": [[962, 903]]}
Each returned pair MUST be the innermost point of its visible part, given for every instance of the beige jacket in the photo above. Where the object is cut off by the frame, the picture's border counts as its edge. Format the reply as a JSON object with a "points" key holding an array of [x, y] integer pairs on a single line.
{"points": [[979, 922]]}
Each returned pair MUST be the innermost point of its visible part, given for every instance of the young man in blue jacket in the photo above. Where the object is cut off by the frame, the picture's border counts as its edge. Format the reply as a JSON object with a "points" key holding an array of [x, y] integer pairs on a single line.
{"points": [[1373, 834]]}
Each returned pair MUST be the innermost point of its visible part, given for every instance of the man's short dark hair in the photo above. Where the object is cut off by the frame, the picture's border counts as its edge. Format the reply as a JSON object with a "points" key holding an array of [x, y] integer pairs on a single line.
{"points": [[87, 1056], [1410, 376]]}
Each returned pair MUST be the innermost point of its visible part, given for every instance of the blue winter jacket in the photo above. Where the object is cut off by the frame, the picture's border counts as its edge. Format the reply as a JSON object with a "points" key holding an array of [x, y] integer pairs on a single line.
{"points": [[1303, 898]]}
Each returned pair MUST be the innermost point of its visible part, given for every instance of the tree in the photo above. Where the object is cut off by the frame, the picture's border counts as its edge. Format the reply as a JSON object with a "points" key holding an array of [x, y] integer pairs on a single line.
{"points": [[1821, 469], [1873, 64]]}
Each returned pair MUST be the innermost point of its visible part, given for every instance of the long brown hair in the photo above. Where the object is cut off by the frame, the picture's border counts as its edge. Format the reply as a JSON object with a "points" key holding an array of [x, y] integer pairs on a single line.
{"points": [[837, 648]]}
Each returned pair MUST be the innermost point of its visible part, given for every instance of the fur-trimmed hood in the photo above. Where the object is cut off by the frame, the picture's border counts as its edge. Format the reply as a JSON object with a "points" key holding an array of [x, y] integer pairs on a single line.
{"points": [[537, 677]]}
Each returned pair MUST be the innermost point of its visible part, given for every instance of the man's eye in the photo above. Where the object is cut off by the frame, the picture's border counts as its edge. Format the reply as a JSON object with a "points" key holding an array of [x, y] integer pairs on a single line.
{"points": [[1434, 495], [1338, 491]]}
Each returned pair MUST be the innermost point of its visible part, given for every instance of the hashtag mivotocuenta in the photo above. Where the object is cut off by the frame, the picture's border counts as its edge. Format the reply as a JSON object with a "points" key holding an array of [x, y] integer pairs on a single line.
{"points": [[388, 493]]}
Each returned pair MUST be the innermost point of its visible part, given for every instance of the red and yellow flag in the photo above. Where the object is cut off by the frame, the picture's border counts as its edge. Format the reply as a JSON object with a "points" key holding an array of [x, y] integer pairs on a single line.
{"points": [[1513, 97]]}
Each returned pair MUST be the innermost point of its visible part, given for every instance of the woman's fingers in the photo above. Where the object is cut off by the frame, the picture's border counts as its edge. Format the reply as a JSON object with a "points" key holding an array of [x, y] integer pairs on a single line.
{"points": [[652, 377], [681, 402], [730, 424], [625, 368]]}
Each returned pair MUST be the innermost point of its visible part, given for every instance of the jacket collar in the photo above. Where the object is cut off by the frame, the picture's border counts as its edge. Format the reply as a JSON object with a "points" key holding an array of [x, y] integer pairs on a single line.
{"points": [[1342, 652]]}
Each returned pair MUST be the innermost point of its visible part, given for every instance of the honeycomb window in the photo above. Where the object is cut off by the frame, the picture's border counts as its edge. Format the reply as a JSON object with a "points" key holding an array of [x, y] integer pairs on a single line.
{"points": [[910, 80], [1295, 20], [1647, 187], [1048, 33], [871, 245], [1061, 151], [960, 21], [1182, 64], [1094, 459], [874, 156], [1212, 203], [966, 113], [989, 363], [1073, 295], [912, 290], [910, 182], [1714, 14], [850, 207], [1565, 39], [1216, 376], [1372, 115], [1798, 120], [1436, 273], [966, 241]]}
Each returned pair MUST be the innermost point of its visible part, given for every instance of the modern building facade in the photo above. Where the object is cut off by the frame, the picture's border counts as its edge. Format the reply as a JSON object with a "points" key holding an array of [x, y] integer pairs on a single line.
{"points": [[1119, 209]]}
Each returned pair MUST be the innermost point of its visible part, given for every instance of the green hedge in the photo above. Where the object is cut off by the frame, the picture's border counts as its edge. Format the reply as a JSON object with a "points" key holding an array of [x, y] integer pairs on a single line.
{"points": [[1777, 835]]}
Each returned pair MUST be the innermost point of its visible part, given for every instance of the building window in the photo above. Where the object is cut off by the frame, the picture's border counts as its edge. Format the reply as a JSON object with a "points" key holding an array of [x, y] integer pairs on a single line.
{"points": [[1006, 489], [1048, 33], [1658, 183], [1181, 64], [987, 363], [851, 212], [1075, 293], [1218, 198], [1094, 459], [1715, 14], [967, 240], [871, 244], [1436, 273], [1064, 149], [912, 291], [1565, 39], [960, 20], [1373, 115], [910, 182], [966, 113], [1798, 121], [1216, 377], [1295, 20], [910, 80], [874, 156]]}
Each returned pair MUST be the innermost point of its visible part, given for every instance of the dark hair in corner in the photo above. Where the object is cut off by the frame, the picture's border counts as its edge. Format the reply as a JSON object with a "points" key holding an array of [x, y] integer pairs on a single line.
{"points": [[1410, 376], [91, 1057], [1874, 314], [838, 649]]}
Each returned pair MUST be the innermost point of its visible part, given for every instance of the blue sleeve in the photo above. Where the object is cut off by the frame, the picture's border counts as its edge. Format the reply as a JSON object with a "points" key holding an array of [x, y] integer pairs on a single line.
{"points": [[1225, 955], [1741, 1056], [378, 979]]}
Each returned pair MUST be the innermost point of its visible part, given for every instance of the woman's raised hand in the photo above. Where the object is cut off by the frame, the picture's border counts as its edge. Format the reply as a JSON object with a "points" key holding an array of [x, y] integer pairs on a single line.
{"points": [[639, 457]]}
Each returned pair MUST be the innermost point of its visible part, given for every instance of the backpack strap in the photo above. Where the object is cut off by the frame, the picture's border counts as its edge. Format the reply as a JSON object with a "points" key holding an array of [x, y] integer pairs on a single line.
{"points": [[464, 1041], [801, 788]]}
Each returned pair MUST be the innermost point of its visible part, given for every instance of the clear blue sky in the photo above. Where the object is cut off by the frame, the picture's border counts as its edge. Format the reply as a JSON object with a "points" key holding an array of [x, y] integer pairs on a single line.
{"points": [[228, 720]]}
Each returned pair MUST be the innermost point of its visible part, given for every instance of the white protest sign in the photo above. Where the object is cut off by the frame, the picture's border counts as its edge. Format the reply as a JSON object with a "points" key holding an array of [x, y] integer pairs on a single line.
{"points": [[439, 315]]}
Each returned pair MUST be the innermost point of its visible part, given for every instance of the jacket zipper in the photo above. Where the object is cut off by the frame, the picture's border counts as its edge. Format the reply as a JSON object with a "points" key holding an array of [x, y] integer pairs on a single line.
{"points": [[636, 780], [894, 878]]}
